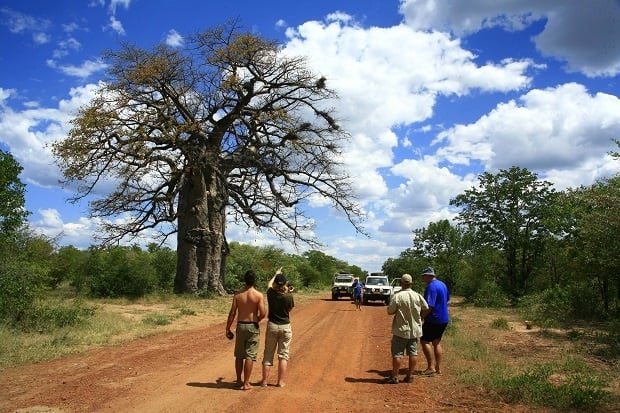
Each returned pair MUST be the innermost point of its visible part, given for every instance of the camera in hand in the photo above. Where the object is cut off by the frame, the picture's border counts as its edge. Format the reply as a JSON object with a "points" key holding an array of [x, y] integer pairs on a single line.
{"points": [[230, 335]]}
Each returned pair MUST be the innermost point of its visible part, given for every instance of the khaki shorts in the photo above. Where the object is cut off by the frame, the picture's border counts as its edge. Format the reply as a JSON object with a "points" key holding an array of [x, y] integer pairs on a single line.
{"points": [[247, 339], [277, 336], [400, 346]]}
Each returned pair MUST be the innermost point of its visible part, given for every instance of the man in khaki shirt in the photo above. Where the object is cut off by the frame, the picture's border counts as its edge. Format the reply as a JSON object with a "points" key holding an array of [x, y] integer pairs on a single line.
{"points": [[409, 309], [248, 306]]}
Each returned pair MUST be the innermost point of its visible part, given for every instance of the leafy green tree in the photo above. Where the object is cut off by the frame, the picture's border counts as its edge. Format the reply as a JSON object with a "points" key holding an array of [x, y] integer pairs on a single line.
{"points": [[409, 261], [510, 211], [12, 191], [229, 125], [121, 272], [325, 265], [444, 245], [163, 260], [68, 265], [263, 260], [24, 273], [596, 238], [310, 276], [356, 270]]}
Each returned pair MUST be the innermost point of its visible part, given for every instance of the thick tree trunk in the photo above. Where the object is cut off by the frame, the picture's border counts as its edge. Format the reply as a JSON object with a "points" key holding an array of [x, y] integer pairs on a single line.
{"points": [[201, 241]]}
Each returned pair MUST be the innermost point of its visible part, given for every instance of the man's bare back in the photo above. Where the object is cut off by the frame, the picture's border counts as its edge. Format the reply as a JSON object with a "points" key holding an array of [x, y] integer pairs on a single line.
{"points": [[250, 304]]}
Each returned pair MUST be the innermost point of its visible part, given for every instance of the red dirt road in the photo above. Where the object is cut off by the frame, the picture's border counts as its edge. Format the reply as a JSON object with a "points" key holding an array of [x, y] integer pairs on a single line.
{"points": [[339, 357]]}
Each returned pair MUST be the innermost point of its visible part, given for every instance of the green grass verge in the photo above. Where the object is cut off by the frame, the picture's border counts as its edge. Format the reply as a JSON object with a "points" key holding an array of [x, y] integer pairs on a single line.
{"points": [[62, 325], [564, 383], [59, 326]]}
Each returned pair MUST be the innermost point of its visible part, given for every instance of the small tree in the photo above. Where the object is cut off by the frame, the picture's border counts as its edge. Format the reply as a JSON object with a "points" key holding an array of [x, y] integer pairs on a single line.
{"points": [[596, 238], [12, 212], [228, 125]]}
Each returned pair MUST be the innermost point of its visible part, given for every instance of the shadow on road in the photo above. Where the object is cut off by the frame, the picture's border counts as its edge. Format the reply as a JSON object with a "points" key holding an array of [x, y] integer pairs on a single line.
{"points": [[219, 384], [379, 380]]}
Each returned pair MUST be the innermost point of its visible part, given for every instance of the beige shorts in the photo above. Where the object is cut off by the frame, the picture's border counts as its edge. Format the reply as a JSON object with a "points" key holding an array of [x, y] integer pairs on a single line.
{"points": [[278, 336]]}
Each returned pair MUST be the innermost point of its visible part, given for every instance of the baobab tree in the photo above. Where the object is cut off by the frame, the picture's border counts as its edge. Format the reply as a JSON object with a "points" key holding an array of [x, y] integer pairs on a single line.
{"points": [[229, 126]]}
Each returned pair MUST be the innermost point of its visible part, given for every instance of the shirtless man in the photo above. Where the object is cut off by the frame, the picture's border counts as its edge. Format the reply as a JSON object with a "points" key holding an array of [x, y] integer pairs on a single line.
{"points": [[249, 303]]}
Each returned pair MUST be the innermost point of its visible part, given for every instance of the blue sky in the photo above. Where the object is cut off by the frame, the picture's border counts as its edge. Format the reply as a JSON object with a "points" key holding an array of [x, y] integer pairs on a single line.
{"points": [[432, 92]]}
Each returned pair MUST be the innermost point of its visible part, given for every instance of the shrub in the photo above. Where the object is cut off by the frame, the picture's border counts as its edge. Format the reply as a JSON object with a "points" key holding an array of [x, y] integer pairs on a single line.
{"points": [[20, 286], [45, 317], [489, 295], [164, 263], [558, 305], [122, 272], [500, 324], [17, 294]]}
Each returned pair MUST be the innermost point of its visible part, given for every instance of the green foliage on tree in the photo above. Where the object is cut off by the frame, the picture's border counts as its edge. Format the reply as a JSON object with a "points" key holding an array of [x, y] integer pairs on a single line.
{"points": [[264, 261], [410, 261], [67, 265], [556, 254], [510, 211], [120, 272], [12, 191], [326, 267], [443, 246], [595, 237], [163, 261], [312, 269], [24, 273]]}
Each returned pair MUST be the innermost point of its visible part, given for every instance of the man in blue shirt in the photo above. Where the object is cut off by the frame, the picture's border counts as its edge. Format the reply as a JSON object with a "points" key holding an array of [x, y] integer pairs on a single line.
{"points": [[437, 296], [357, 288]]}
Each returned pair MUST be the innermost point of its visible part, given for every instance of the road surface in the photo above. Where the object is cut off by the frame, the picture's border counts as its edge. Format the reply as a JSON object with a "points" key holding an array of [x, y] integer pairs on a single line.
{"points": [[339, 357]]}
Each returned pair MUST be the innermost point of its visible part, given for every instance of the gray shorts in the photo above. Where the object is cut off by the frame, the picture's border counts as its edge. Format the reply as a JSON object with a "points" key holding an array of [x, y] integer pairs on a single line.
{"points": [[401, 345]]}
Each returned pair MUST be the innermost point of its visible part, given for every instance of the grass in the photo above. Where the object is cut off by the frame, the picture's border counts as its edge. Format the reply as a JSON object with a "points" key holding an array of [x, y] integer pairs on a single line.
{"points": [[514, 372], [67, 326], [61, 329]]}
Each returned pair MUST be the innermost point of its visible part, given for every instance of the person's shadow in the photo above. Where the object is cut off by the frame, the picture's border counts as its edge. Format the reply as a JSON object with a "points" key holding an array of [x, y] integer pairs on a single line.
{"points": [[219, 384], [379, 380]]}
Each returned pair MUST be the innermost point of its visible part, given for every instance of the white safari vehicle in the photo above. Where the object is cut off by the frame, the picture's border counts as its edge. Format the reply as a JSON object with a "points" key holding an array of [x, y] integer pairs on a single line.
{"points": [[342, 285], [377, 288]]}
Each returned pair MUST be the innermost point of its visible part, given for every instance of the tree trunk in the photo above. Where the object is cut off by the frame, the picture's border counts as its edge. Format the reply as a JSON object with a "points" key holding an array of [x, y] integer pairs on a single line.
{"points": [[201, 241]]}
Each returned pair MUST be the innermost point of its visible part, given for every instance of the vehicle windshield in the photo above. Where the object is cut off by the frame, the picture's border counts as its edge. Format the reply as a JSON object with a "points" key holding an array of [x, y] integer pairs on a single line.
{"points": [[344, 279], [375, 281]]}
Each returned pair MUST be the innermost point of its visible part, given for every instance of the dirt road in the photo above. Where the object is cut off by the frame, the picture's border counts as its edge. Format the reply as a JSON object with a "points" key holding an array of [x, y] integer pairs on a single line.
{"points": [[339, 357]]}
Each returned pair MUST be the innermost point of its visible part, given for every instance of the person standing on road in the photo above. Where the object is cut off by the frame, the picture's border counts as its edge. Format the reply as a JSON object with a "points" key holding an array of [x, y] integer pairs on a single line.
{"points": [[249, 303], [358, 289], [409, 309], [437, 296], [279, 333]]}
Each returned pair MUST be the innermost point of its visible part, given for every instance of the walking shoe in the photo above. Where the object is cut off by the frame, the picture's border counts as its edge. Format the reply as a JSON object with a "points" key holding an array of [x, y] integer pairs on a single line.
{"points": [[391, 380], [408, 379]]}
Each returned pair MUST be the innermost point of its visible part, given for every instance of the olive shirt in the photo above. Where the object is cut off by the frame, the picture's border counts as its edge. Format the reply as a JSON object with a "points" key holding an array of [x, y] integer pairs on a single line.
{"points": [[279, 306], [406, 306]]}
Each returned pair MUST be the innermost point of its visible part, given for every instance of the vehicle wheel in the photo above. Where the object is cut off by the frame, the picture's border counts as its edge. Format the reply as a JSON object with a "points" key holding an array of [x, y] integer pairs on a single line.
{"points": [[365, 301], [334, 297]]}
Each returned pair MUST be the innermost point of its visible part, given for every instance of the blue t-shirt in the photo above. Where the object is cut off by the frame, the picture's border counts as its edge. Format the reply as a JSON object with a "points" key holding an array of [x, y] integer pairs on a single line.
{"points": [[437, 297], [357, 289]]}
